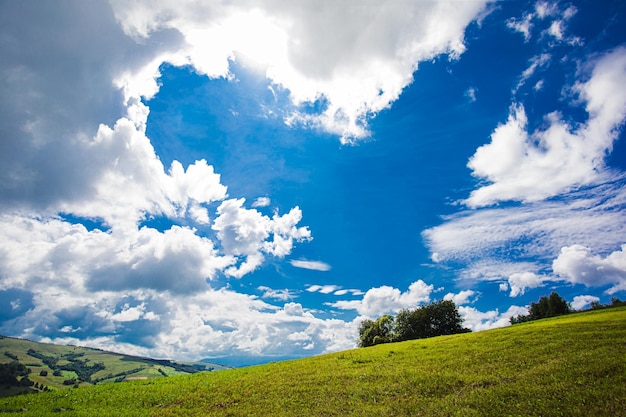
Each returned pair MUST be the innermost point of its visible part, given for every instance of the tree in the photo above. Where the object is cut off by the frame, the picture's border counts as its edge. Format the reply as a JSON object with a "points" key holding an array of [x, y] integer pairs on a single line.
{"points": [[375, 332], [9, 372], [434, 319], [551, 306]]}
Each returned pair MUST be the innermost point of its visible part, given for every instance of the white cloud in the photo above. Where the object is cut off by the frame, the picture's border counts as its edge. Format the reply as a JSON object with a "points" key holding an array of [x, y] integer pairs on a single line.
{"points": [[386, 299], [313, 265], [248, 234], [518, 282], [577, 264], [74, 148], [545, 9], [283, 295], [66, 257], [553, 13], [495, 243], [478, 320], [582, 301], [261, 202], [129, 313], [462, 297], [348, 291], [358, 64], [523, 26], [524, 166], [535, 63], [324, 289]]}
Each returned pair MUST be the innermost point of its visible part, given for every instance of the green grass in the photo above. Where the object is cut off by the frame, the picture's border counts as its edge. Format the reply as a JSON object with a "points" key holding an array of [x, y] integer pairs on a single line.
{"points": [[568, 366]]}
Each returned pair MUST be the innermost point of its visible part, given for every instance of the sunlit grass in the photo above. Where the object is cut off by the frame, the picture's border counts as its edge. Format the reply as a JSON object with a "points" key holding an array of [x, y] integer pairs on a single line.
{"points": [[568, 366]]}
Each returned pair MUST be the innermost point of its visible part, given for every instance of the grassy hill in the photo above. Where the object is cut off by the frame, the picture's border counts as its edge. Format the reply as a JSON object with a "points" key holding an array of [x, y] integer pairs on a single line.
{"points": [[573, 365], [63, 367]]}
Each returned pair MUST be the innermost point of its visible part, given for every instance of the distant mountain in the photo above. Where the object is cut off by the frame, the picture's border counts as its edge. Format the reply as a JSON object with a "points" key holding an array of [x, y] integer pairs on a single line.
{"points": [[38, 367]]}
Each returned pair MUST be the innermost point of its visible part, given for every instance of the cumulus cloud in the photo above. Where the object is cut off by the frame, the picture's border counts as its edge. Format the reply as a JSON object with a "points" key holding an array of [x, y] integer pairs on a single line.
{"points": [[524, 166], [213, 323], [380, 300], [313, 265], [249, 235], [74, 150], [478, 320], [358, 65], [518, 282], [68, 257], [462, 297], [261, 202], [582, 301], [577, 264]]}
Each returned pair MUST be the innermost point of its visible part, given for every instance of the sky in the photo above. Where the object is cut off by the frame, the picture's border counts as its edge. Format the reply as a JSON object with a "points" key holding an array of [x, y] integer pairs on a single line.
{"points": [[247, 181]]}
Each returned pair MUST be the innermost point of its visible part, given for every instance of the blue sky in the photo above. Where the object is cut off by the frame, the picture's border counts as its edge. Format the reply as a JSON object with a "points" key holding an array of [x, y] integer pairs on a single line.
{"points": [[248, 182]]}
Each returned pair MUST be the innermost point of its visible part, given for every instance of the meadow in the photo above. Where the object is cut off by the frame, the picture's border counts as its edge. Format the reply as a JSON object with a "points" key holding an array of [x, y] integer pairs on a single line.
{"points": [[572, 365]]}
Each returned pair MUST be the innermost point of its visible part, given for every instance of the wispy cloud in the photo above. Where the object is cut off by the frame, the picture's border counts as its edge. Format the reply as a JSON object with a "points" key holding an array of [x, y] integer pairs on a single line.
{"points": [[282, 295], [324, 289], [312, 265], [496, 243]]}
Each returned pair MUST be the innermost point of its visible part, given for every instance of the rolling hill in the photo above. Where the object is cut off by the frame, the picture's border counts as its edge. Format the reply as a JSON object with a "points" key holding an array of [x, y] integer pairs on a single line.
{"points": [[573, 365], [62, 367]]}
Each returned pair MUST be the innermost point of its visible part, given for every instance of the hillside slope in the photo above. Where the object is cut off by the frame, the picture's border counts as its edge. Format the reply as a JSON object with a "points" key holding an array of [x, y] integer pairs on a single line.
{"points": [[573, 365], [63, 367]]}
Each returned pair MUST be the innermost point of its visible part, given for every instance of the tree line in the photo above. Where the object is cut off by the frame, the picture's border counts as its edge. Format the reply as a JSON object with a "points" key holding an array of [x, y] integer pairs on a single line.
{"points": [[435, 319], [555, 305]]}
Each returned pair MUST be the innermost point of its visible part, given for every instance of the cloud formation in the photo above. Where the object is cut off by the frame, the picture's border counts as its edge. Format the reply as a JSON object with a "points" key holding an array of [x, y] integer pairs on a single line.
{"points": [[543, 190], [577, 264], [532, 166], [385, 299], [357, 65]]}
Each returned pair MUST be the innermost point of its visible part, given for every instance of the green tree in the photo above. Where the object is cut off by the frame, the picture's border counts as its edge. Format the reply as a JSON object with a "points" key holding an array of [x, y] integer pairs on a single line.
{"points": [[375, 332], [551, 306], [434, 319], [9, 372]]}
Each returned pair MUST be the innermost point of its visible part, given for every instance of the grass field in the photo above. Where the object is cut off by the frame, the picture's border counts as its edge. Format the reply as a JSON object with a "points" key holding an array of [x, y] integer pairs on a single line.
{"points": [[573, 365]]}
